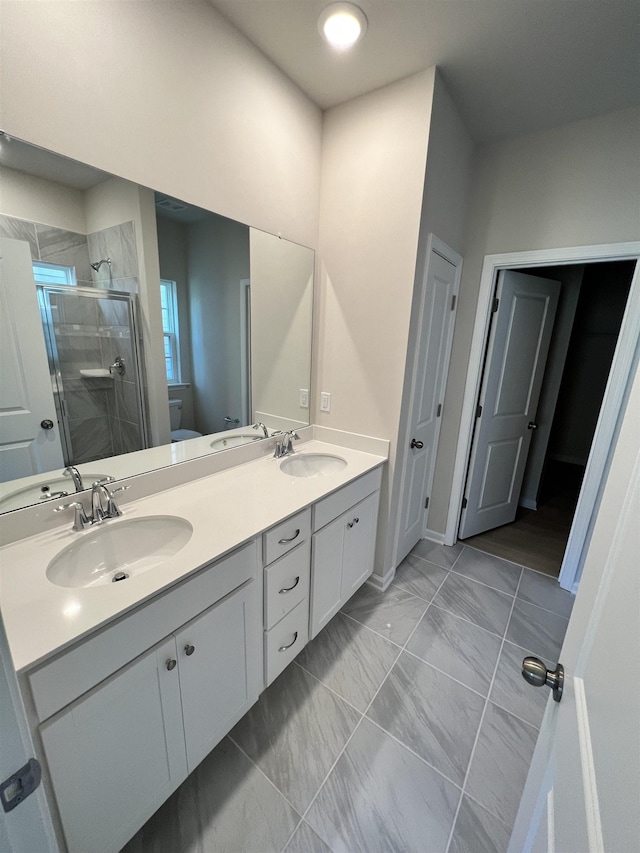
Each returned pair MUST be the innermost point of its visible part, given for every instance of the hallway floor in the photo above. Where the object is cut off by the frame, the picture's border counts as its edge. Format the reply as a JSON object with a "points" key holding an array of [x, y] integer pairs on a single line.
{"points": [[404, 726]]}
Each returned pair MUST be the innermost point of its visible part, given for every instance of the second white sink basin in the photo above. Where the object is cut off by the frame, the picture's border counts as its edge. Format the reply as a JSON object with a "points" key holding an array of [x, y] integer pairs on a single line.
{"points": [[117, 550], [312, 464]]}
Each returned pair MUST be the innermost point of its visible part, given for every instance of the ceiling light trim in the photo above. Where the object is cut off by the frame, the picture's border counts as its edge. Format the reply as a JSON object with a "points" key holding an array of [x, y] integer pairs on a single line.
{"points": [[342, 25]]}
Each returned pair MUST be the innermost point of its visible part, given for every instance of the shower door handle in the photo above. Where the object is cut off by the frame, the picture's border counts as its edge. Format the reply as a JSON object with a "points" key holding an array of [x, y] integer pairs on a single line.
{"points": [[46, 424]]}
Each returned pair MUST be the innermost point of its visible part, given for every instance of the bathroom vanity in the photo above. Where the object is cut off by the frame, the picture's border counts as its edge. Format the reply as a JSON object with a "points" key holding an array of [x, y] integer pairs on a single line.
{"points": [[130, 684]]}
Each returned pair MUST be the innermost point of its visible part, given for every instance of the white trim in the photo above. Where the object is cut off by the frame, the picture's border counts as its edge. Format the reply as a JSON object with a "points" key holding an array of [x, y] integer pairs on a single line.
{"points": [[528, 503], [434, 244], [434, 536], [589, 781], [551, 821], [383, 583], [614, 395]]}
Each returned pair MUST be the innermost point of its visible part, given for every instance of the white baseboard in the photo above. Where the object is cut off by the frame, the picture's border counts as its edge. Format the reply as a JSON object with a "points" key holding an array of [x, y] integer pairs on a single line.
{"points": [[382, 583], [434, 536], [528, 503]]}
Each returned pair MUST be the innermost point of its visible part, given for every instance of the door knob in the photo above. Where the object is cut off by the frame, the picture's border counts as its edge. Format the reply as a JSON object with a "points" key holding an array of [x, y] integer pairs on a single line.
{"points": [[535, 673], [531, 425], [46, 424], [189, 649], [416, 445]]}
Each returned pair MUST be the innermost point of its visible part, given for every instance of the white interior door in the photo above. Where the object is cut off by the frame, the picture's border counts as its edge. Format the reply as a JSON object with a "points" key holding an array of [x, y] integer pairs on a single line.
{"points": [[516, 358], [26, 396], [433, 350], [583, 789]]}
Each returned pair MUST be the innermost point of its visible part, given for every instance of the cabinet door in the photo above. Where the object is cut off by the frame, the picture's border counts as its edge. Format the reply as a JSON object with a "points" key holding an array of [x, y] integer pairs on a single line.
{"points": [[117, 753], [220, 664], [359, 545], [326, 573]]}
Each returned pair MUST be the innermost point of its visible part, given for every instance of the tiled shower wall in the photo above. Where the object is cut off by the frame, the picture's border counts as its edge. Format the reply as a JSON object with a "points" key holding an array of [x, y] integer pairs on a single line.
{"points": [[103, 418]]}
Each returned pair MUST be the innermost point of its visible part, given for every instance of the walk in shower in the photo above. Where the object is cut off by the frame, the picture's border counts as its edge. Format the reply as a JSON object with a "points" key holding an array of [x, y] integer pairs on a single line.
{"points": [[95, 361]]}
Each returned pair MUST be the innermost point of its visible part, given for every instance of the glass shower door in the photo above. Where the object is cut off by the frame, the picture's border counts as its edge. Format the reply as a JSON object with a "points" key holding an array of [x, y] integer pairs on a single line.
{"points": [[95, 362]]}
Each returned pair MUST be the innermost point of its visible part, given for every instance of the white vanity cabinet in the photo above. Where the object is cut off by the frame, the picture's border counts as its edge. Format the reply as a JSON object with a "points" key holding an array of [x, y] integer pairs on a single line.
{"points": [[116, 752], [343, 546]]}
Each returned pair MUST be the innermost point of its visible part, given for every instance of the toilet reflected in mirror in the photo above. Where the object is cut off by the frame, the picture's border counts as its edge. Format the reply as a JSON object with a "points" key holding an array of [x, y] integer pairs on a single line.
{"points": [[175, 417]]}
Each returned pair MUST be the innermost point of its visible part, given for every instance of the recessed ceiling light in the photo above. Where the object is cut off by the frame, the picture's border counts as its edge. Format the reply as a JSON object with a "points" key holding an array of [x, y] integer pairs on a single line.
{"points": [[342, 24]]}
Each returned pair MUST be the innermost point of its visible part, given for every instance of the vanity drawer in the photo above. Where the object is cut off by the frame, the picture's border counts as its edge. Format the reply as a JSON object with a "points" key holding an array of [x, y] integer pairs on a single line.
{"points": [[286, 583], [285, 536], [286, 640], [335, 504]]}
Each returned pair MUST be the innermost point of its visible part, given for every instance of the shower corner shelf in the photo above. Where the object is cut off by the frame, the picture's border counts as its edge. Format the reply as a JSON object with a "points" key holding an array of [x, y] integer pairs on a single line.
{"points": [[96, 373]]}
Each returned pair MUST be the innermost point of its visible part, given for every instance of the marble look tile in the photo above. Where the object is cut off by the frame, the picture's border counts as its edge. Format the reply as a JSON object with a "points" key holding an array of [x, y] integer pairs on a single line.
{"points": [[295, 732], [126, 398], [536, 629], [20, 229], [478, 831], [58, 246], [350, 659], [239, 808], [488, 569], [381, 798], [480, 604], [394, 613], [90, 440], [86, 403], [112, 312], [430, 713], [441, 555], [512, 692], [501, 762], [128, 250], [99, 250], [226, 804], [545, 592], [462, 650], [419, 577], [130, 437], [305, 840]]}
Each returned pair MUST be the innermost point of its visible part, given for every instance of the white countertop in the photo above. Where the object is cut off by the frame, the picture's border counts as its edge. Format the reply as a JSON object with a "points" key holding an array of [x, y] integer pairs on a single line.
{"points": [[225, 510]]}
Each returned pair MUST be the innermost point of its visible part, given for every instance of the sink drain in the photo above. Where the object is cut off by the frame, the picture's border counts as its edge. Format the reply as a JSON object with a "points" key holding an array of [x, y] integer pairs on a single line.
{"points": [[119, 576]]}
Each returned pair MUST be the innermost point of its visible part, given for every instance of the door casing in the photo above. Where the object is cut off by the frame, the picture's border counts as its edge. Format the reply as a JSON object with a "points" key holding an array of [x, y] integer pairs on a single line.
{"points": [[624, 361]]}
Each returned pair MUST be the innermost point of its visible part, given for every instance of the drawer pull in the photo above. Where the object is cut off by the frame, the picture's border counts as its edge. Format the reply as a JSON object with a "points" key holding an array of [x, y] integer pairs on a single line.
{"points": [[286, 541], [351, 523], [286, 589], [189, 649], [171, 664], [284, 648]]}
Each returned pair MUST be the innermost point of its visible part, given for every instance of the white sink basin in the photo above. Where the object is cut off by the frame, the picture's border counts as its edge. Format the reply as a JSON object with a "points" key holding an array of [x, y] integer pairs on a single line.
{"points": [[312, 464], [234, 440], [128, 547]]}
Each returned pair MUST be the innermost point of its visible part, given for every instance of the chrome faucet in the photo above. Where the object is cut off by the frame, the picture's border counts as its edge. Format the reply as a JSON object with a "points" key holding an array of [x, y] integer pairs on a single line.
{"points": [[103, 505], [72, 471], [261, 426], [285, 445]]}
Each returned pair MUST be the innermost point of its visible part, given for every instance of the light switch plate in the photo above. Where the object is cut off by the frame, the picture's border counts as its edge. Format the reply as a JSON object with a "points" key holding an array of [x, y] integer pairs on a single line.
{"points": [[304, 398], [325, 401]]}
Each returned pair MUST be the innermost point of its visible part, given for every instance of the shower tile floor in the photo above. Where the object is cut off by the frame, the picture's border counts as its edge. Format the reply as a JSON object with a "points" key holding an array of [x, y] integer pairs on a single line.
{"points": [[404, 726]]}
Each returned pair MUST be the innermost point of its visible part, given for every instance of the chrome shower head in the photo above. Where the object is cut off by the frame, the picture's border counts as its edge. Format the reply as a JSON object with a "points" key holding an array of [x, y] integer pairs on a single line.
{"points": [[96, 266]]}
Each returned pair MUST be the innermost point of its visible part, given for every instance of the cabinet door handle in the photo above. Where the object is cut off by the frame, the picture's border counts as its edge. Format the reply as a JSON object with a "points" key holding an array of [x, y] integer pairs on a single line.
{"points": [[284, 648], [189, 649], [356, 520], [350, 524], [285, 541], [171, 664], [286, 589]]}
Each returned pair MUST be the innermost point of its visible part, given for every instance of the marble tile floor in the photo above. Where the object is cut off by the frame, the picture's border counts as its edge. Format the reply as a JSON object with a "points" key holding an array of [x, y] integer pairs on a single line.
{"points": [[404, 726]]}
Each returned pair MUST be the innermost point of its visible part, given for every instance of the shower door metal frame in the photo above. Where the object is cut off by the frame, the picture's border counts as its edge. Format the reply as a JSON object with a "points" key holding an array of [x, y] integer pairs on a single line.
{"points": [[57, 382]]}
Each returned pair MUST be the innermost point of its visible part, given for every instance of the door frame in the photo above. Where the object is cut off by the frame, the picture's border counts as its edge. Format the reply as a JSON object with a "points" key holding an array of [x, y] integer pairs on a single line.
{"points": [[614, 398], [434, 244]]}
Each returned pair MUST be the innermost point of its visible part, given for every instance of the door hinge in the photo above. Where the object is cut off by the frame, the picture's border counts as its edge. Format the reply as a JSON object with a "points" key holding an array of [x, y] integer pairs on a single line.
{"points": [[496, 302], [479, 411], [439, 411], [426, 503], [464, 503], [453, 302]]}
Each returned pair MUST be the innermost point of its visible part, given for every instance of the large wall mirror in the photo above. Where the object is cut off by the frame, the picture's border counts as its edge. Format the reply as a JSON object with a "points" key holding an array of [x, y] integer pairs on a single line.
{"points": [[136, 330]]}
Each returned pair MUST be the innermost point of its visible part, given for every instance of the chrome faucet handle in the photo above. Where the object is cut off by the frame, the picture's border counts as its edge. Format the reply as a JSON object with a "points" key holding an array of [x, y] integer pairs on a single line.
{"points": [[99, 489], [80, 519], [288, 440], [260, 425]]}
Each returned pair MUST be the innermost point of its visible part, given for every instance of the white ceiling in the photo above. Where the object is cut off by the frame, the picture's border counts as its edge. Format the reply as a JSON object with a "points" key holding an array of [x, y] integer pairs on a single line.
{"points": [[511, 66]]}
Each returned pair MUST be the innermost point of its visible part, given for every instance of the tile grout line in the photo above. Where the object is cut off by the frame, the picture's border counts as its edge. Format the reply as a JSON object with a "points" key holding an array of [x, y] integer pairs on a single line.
{"points": [[464, 619], [359, 723], [484, 711]]}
